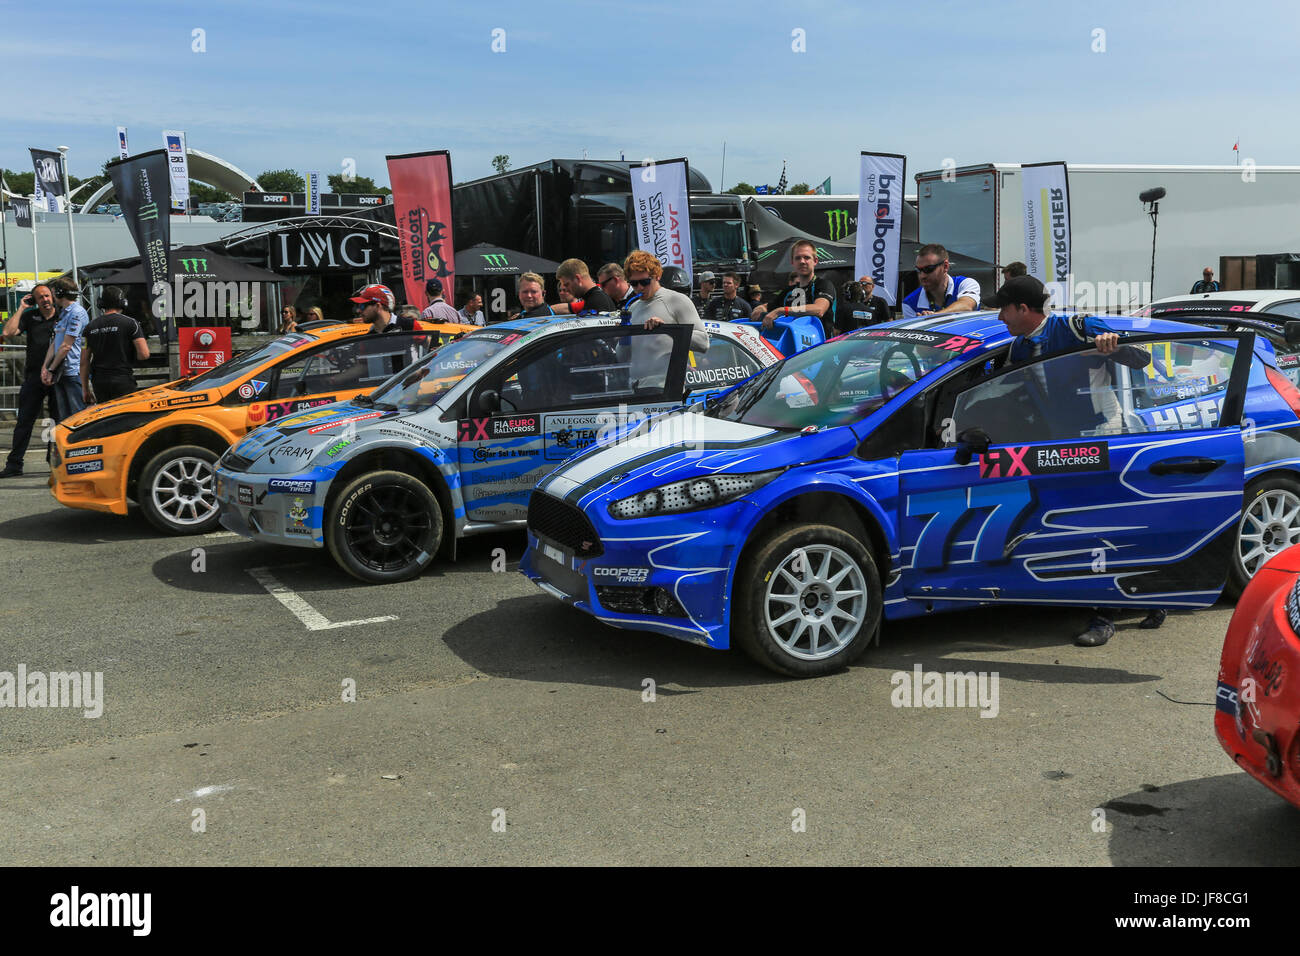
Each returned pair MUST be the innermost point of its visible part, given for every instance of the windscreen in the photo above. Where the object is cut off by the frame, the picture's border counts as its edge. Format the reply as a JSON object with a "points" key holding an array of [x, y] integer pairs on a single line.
{"points": [[244, 363], [840, 382], [420, 386]]}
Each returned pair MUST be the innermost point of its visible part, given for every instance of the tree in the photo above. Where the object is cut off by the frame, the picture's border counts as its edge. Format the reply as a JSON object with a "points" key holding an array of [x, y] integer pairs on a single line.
{"points": [[501, 162], [205, 193], [282, 181], [799, 189], [358, 184], [743, 189], [20, 184]]}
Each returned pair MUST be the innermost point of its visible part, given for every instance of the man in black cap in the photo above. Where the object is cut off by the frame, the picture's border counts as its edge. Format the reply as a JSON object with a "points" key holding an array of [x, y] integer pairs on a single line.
{"points": [[112, 341], [438, 309], [1021, 305]]}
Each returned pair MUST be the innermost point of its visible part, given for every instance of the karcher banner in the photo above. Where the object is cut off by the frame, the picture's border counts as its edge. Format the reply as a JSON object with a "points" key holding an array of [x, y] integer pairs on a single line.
{"points": [[660, 201], [880, 220], [1046, 202], [312, 179], [178, 162]]}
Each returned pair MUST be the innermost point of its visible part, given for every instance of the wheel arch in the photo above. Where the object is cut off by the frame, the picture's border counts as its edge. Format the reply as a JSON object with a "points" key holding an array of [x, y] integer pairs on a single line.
{"points": [[408, 460], [170, 437]]}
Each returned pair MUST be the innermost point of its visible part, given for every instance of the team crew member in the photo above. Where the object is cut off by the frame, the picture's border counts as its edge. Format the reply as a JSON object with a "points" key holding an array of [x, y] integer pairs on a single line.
{"points": [[531, 289], [729, 307], [472, 313], [438, 309], [377, 303], [806, 294], [575, 279], [614, 283], [1207, 283], [658, 306], [1013, 269], [112, 341], [36, 321], [1021, 303], [707, 280], [63, 360], [939, 291]]}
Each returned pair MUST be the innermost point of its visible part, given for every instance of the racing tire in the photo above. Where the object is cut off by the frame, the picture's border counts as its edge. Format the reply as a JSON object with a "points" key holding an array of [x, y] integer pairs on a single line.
{"points": [[176, 490], [808, 601], [1269, 523], [383, 527]]}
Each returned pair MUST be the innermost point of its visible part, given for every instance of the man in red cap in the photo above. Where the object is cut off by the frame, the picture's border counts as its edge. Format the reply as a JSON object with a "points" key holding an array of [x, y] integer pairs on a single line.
{"points": [[377, 303]]}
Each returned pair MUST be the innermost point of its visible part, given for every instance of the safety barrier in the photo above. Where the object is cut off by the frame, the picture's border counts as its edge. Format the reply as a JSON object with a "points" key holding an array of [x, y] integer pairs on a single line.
{"points": [[13, 365]]}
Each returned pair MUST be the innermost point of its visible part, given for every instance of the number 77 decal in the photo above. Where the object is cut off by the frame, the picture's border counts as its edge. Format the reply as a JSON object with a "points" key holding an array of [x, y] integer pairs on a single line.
{"points": [[1008, 503]]}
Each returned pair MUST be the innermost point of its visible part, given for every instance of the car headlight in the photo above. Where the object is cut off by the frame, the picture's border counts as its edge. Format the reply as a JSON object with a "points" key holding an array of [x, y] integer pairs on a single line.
{"points": [[706, 491]]}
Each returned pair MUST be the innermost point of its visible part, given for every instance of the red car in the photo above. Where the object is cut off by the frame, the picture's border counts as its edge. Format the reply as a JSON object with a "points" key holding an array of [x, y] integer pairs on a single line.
{"points": [[1257, 706]]}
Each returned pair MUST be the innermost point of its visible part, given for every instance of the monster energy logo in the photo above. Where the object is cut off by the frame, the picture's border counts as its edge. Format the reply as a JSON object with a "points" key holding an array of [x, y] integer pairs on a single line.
{"points": [[149, 211], [837, 223], [495, 259], [192, 265]]}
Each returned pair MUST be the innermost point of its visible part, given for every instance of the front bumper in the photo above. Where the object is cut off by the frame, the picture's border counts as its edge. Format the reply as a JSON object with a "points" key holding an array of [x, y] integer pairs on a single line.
{"points": [[85, 476], [277, 509], [1262, 735], [667, 575]]}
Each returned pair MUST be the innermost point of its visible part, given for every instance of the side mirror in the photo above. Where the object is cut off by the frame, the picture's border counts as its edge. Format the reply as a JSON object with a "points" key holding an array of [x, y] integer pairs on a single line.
{"points": [[1292, 332], [971, 442], [487, 402]]}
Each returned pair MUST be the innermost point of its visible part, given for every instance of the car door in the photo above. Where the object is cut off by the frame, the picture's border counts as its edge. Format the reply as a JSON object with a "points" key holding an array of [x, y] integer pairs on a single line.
{"points": [[551, 401], [1083, 494], [724, 364]]}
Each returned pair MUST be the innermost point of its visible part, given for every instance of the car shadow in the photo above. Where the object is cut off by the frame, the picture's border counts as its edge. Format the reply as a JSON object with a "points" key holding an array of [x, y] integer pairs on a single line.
{"points": [[75, 526], [1229, 820]]}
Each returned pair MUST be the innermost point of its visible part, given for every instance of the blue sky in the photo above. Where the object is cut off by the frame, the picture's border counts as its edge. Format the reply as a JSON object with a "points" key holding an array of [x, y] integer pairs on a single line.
{"points": [[293, 83]]}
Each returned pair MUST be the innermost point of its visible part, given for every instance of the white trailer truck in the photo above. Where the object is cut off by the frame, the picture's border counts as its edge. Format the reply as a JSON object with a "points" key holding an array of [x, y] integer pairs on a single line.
{"points": [[1210, 216]]}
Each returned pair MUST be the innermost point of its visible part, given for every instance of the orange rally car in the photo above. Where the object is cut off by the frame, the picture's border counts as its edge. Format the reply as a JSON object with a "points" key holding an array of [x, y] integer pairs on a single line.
{"points": [[157, 447]]}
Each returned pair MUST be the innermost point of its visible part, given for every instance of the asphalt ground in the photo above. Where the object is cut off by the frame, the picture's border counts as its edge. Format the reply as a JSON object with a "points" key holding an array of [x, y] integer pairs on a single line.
{"points": [[225, 738]]}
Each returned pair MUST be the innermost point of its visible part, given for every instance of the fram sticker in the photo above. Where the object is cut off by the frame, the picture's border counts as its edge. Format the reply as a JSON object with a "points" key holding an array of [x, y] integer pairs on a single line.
{"points": [[1020, 460]]}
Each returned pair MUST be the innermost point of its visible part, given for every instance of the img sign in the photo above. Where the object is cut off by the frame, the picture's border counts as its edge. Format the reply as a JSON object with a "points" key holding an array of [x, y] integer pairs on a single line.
{"points": [[422, 197], [322, 250], [880, 220]]}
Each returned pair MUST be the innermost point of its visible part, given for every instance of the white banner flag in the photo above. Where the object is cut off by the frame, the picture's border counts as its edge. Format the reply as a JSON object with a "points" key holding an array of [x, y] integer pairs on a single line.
{"points": [[663, 214], [1046, 199], [312, 181], [121, 142], [880, 220], [178, 163]]}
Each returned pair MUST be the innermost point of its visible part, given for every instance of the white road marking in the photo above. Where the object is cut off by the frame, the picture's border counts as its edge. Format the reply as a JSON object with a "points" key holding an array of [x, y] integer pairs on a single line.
{"points": [[311, 618], [221, 534]]}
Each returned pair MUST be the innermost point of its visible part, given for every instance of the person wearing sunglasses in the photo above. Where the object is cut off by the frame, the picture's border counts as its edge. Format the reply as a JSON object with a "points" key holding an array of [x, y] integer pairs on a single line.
{"points": [[288, 319], [614, 282], [939, 291], [658, 305], [807, 293]]}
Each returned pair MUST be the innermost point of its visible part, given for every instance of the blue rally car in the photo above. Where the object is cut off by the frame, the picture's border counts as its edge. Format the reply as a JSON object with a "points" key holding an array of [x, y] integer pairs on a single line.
{"points": [[909, 468]]}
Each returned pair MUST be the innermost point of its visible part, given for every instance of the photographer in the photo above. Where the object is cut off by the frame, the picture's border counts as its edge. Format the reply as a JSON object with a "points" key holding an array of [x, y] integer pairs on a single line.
{"points": [[35, 319]]}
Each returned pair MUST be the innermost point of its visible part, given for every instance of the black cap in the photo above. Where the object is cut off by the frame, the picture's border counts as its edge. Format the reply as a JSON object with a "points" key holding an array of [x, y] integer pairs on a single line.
{"points": [[1019, 290]]}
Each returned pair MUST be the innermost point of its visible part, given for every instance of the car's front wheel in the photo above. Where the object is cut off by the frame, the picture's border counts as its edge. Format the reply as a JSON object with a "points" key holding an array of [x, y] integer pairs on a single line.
{"points": [[808, 601], [176, 490], [383, 527], [1270, 522]]}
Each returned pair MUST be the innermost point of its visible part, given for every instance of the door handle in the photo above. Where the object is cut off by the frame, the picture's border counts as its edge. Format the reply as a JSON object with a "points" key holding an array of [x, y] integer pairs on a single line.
{"points": [[1184, 466]]}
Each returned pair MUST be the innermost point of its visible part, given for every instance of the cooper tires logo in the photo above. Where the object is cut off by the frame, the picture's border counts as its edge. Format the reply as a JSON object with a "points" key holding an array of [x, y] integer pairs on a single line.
{"points": [[347, 505]]}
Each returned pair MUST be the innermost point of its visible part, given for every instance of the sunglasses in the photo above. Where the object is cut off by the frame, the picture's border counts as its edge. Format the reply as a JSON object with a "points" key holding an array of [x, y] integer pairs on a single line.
{"points": [[643, 283], [926, 270]]}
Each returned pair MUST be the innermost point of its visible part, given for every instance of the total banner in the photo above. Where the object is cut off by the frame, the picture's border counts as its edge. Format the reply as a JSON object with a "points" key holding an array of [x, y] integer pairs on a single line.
{"points": [[142, 190], [49, 177], [880, 220], [22, 212], [422, 199], [1046, 199], [179, 163], [661, 204]]}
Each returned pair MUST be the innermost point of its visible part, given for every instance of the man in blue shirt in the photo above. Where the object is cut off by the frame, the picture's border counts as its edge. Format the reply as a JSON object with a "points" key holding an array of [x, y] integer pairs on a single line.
{"points": [[1021, 304], [61, 370], [939, 291]]}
